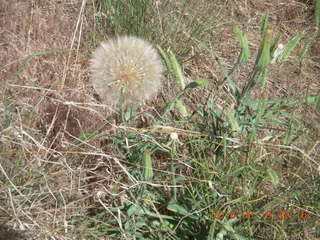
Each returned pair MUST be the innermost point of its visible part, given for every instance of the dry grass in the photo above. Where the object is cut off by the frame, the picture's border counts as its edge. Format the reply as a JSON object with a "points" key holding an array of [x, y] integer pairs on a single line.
{"points": [[55, 161], [49, 98]]}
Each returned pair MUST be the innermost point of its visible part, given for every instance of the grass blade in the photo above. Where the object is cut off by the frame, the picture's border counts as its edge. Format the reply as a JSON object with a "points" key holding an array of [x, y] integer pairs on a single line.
{"points": [[182, 109], [233, 121], [264, 58], [273, 176], [177, 70], [303, 52], [164, 58], [317, 14], [244, 54], [291, 45], [265, 22], [148, 170]]}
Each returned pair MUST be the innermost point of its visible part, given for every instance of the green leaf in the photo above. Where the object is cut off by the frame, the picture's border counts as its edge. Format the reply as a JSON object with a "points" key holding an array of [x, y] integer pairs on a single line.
{"points": [[317, 100], [177, 70], [244, 54], [175, 207], [130, 113], [169, 107], [199, 83], [264, 57], [135, 210], [317, 14], [273, 176], [148, 170], [222, 233], [164, 58], [177, 100], [233, 121], [288, 136], [265, 22], [182, 109], [275, 43], [291, 44], [234, 88], [303, 52]]}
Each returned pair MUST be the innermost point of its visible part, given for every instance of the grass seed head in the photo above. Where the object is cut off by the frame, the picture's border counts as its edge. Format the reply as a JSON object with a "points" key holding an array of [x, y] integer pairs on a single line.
{"points": [[126, 70]]}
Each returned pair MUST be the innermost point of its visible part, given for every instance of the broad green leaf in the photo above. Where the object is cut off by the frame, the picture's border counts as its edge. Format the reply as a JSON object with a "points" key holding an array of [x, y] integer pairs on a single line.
{"points": [[181, 178], [175, 207], [130, 113], [199, 83], [135, 210]]}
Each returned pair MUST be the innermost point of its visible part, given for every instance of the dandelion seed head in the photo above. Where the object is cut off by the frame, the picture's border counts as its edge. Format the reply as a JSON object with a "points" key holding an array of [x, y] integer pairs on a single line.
{"points": [[126, 68], [174, 136]]}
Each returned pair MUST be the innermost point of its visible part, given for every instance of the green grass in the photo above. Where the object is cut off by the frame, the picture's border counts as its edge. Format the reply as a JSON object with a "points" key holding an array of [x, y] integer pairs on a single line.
{"points": [[246, 168], [163, 22], [125, 17], [231, 165]]}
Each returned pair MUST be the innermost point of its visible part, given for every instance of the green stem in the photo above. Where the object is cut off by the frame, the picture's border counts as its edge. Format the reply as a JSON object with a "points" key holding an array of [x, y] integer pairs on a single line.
{"points": [[173, 170]]}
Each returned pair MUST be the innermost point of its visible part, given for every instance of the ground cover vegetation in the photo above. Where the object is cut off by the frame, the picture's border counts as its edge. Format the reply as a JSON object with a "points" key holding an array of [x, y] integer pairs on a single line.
{"points": [[228, 149]]}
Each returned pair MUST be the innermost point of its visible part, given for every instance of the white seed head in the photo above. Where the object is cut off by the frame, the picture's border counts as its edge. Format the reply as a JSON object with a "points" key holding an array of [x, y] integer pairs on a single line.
{"points": [[126, 70], [174, 136]]}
